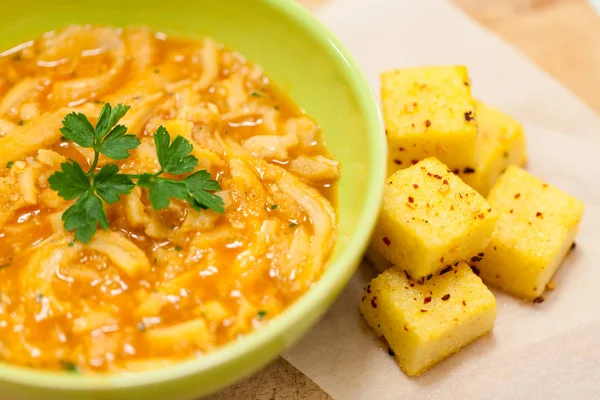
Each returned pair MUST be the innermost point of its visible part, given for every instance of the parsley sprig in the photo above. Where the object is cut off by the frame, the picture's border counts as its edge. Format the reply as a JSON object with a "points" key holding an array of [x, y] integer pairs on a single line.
{"points": [[108, 184]]}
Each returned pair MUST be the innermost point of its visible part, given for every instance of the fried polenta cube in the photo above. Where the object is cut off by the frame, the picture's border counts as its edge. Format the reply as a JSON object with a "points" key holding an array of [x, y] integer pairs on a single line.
{"points": [[536, 228], [424, 323], [430, 219], [500, 143], [429, 112]]}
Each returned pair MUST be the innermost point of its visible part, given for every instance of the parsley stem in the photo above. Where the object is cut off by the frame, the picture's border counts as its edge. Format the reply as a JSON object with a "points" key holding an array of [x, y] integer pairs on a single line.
{"points": [[133, 176], [94, 163]]}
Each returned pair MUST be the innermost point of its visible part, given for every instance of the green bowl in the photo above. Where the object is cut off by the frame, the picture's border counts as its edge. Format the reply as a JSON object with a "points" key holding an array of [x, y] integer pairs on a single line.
{"points": [[306, 61]]}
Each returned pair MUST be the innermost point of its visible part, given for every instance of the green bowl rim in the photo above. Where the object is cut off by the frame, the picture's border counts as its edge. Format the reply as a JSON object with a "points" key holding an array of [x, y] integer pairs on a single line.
{"points": [[336, 276]]}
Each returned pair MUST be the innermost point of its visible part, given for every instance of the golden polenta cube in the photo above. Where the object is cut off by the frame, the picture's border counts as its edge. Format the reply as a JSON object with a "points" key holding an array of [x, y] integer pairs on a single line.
{"points": [[429, 112], [537, 226], [430, 219], [500, 143], [424, 323]]}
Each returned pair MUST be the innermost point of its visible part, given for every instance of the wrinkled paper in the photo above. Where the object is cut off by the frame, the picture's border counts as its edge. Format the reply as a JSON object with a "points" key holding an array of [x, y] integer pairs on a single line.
{"points": [[536, 351]]}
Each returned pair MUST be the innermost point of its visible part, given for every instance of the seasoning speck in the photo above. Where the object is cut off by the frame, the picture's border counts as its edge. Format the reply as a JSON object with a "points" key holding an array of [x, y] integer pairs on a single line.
{"points": [[468, 170], [469, 116], [261, 313], [475, 270], [446, 270], [386, 241], [517, 195], [177, 248], [374, 302], [274, 207], [256, 94], [464, 303], [411, 199], [426, 299], [428, 123], [398, 162], [69, 366], [391, 352], [538, 300], [446, 297]]}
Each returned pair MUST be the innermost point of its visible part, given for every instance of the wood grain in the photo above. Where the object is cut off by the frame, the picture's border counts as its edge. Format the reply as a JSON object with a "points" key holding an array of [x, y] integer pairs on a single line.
{"points": [[279, 381], [562, 37]]}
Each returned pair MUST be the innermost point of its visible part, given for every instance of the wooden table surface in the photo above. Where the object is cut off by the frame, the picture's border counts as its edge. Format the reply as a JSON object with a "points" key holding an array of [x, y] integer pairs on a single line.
{"points": [[562, 37]]}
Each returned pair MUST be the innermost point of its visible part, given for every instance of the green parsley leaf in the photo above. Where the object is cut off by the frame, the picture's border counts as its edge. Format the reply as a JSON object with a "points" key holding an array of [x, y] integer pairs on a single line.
{"points": [[9, 164], [84, 216], [70, 182], [78, 129], [174, 158], [162, 189], [198, 183], [109, 117], [110, 139], [262, 313], [110, 184], [116, 144]]}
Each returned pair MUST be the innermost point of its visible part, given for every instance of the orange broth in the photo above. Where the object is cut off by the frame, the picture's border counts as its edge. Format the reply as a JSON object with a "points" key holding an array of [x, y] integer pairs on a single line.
{"points": [[191, 280]]}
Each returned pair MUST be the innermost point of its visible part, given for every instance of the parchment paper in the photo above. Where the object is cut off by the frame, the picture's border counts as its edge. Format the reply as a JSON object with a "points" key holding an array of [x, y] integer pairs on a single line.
{"points": [[536, 351]]}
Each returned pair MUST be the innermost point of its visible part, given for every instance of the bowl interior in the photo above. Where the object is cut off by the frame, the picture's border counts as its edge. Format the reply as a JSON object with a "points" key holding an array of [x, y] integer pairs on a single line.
{"points": [[307, 63]]}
